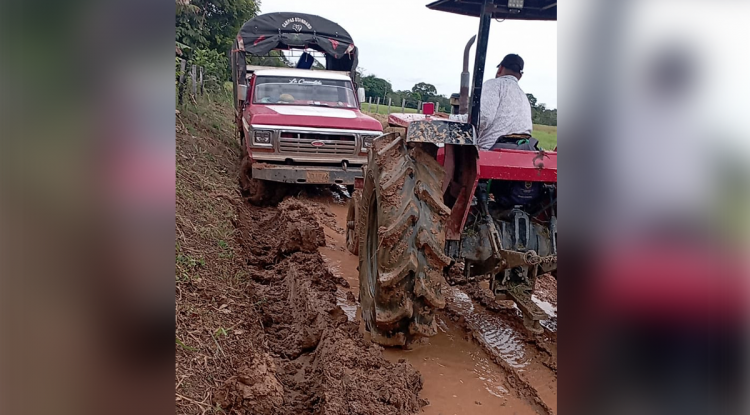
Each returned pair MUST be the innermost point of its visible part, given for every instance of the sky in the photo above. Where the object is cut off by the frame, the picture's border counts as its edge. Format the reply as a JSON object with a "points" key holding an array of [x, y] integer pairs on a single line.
{"points": [[404, 42]]}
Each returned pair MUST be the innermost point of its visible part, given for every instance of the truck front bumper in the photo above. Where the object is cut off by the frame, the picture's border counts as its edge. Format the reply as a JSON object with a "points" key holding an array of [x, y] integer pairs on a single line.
{"points": [[306, 174]]}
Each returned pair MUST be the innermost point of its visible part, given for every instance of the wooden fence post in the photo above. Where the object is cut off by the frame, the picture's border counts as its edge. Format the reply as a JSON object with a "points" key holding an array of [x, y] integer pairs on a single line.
{"points": [[389, 105], [419, 107], [377, 106], [369, 104], [192, 78], [181, 85], [201, 79], [403, 104]]}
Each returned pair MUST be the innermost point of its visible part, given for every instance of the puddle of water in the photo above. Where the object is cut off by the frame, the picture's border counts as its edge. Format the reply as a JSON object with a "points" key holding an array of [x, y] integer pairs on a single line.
{"points": [[508, 344], [349, 308], [547, 307], [458, 376], [551, 310]]}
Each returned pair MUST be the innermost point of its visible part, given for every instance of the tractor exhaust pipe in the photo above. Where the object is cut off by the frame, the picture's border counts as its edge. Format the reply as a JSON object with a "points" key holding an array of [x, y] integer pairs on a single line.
{"points": [[463, 99]]}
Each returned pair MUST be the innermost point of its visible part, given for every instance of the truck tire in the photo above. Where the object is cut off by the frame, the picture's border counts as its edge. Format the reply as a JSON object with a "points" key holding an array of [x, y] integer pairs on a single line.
{"points": [[402, 242], [352, 220], [258, 192]]}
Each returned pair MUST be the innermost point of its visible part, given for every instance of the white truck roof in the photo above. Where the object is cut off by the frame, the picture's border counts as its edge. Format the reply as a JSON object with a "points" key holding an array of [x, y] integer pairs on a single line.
{"points": [[298, 73]]}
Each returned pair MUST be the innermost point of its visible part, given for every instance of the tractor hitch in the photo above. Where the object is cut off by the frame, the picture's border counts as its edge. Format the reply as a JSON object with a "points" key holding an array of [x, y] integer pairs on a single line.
{"points": [[532, 313]]}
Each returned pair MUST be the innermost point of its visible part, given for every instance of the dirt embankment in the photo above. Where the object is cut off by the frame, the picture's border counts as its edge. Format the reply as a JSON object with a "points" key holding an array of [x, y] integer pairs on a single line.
{"points": [[258, 328]]}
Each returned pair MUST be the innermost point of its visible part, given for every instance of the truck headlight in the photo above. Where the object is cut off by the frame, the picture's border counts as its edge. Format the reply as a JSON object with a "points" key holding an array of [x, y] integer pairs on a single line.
{"points": [[367, 141], [262, 137]]}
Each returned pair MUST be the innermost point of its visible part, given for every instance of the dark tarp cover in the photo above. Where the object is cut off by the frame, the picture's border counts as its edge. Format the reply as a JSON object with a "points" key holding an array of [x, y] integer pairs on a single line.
{"points": [[267, 32]]}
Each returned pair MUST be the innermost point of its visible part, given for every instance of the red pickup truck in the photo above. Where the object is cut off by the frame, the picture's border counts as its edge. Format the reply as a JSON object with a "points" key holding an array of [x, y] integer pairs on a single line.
{"points": [[298, 125]]}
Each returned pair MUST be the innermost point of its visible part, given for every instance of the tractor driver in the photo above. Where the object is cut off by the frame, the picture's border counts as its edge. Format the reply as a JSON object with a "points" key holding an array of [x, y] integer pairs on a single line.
{"points": [[505, 112]]}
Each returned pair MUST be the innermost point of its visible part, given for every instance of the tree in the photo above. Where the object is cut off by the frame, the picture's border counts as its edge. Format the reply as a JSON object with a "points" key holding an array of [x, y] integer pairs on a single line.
{"points": [[376, 87], [445, 103], [426, 91], [539, 112], [532, 100], [205, 32], [212, 24]]}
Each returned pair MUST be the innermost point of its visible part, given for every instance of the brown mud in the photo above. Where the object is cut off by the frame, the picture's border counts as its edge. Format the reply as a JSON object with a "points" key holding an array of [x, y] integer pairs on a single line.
{"points": [[484, 364], [321, 363]]}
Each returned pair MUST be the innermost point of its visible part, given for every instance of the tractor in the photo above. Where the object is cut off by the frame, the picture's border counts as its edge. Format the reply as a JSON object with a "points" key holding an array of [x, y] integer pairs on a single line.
{"points": [[433, 209]]}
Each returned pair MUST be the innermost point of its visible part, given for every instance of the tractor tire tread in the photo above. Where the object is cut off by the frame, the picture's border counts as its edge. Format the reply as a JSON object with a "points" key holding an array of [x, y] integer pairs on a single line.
{"points": [[411, 224]]}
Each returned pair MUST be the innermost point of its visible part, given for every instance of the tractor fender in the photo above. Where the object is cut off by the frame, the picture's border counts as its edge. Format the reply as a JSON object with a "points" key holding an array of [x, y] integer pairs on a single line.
{"points": [[441, 132]]}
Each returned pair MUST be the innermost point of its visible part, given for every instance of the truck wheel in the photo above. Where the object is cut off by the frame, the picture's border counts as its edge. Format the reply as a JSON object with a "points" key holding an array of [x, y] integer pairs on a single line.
{"points": [[258, 192], [402, 242], [352, 219]]}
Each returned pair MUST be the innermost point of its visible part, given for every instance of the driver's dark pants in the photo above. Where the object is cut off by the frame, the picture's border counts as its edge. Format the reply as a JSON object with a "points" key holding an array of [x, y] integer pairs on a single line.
{"points": [[516, 142]]}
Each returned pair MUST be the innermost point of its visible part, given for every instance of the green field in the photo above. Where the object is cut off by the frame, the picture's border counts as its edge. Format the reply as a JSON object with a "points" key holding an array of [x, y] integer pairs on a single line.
{"points": [[383, 109], [547, 136]]}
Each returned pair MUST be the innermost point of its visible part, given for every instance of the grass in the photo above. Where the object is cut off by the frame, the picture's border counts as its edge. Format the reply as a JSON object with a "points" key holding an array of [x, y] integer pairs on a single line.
{"points": [[547, 136], [383, 109], [183, 345]]}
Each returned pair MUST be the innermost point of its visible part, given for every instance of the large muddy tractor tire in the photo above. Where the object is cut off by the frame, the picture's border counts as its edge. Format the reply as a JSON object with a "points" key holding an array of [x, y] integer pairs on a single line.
{"points": [[352, 220], [402, 242], [258, 192]]}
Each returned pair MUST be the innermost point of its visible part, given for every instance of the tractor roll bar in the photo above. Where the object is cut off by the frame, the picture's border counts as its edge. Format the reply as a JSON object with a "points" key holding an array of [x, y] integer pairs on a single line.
{"points": [[479, 61]]}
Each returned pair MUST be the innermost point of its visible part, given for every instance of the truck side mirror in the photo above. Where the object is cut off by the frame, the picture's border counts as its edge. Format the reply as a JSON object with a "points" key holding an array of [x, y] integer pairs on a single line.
{"points": [[361, 95], [241, 92]]}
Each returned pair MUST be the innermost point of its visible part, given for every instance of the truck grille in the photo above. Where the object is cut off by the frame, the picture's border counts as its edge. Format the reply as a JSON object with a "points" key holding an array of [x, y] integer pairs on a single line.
{"points": [[302, 143]]}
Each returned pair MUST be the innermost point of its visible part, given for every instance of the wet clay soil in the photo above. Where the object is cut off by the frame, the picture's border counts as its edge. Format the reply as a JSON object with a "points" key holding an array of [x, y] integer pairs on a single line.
{"points": [[323, 364], [478, 363]]}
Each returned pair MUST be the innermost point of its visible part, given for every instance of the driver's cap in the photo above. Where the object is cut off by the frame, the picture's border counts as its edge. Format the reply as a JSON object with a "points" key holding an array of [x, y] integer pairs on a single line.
{"points": [[512, 62]]}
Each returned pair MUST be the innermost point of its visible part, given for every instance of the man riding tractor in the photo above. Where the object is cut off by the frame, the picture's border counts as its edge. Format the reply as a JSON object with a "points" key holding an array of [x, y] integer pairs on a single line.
{"points": [[505, 116], [438, 205]]}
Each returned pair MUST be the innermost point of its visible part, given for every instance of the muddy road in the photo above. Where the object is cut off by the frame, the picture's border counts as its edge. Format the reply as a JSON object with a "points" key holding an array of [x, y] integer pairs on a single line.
{"points": [[267, 320], [482, 361]]}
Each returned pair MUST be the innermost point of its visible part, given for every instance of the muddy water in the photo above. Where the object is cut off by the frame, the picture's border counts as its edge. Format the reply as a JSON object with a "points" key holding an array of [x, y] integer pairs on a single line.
{"points": [[507, 342], [459, 377]]}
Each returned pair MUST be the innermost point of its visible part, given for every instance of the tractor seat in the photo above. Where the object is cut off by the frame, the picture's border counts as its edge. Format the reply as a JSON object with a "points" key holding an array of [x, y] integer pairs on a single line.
{"points": [[516, 142]]}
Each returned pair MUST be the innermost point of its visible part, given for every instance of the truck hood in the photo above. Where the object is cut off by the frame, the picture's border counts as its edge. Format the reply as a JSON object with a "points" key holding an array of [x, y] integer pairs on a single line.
{"points": [[307, 116]]}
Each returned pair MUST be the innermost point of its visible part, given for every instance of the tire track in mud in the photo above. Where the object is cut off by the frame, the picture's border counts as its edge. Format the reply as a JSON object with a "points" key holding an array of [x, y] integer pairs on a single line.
{"points": [[529, 372], [515, 371], [315, 360]]}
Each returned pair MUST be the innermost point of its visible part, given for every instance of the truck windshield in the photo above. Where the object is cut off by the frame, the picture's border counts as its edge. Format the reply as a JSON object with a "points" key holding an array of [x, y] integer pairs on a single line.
{"points": [[304, 91]]}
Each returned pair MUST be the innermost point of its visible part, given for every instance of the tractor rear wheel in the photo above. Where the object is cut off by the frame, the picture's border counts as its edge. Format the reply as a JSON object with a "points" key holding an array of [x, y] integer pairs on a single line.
{"points": [[402, 241], [352, 220]]}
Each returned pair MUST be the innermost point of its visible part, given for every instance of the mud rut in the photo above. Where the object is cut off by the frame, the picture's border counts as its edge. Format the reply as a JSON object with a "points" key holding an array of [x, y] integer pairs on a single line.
{"points": [[308, 357], [308, 352], [482, 361]]}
